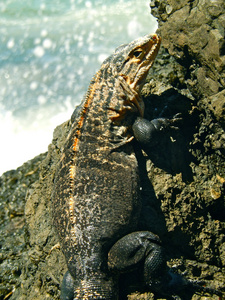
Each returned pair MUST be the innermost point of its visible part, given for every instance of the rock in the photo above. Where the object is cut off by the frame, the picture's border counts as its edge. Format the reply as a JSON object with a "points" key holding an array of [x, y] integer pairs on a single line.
{"points": [[13, 188], [193, 32], [183, 187]]}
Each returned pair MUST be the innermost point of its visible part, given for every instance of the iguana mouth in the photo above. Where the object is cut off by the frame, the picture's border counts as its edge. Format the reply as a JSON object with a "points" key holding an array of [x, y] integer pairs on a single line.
{"points": [[138, 63], [151, 48], [138, 58]]}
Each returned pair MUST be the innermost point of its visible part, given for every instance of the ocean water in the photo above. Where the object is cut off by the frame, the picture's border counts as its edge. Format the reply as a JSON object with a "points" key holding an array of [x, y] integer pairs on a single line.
{"points": [[49, 51]]}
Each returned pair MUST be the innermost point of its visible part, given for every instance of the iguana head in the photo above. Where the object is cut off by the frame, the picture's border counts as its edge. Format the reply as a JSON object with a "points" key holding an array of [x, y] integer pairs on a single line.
{"points": [[129, 66], [133, 61]]}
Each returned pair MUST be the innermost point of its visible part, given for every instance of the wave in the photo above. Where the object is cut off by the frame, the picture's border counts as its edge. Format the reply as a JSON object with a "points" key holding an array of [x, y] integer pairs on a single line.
{"points": [[49, 52]]}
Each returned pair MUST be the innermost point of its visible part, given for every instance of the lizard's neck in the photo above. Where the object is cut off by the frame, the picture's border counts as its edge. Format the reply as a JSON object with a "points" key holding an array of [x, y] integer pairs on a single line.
{"points": [[107, 111]]}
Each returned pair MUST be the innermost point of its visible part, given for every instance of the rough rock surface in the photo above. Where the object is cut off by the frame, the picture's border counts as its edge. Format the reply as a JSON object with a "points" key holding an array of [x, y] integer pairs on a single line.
{"points": [[184, 190]]}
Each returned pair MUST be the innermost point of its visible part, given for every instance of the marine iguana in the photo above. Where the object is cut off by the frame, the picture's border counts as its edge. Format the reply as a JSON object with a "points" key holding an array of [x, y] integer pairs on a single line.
{"points": [[96, 197]]}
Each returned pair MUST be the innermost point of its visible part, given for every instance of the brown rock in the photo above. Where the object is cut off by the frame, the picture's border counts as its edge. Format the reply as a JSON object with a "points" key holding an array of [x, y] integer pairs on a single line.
{"points": [[185, 188]]}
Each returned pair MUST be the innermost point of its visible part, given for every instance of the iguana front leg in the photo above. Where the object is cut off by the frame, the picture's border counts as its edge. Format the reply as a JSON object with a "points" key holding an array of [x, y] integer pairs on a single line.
{"points": [[147, 133]]}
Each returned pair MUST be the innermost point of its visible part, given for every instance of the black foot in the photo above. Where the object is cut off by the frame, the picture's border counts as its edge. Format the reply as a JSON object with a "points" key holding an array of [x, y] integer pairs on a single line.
{"points": [[178, 287]]}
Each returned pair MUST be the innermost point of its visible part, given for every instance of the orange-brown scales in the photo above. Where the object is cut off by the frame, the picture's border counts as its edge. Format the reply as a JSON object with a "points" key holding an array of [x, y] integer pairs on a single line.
{"points": [[96, 195], [96, 198]]}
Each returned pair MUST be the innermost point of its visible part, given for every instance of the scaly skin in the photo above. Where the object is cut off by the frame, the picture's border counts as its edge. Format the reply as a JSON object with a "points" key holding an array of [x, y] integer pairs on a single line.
{"points": [[96, 197]]}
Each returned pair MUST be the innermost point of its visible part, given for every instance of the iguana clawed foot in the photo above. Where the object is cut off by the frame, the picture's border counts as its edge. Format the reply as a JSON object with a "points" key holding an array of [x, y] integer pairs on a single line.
{"points": [[142, 249], [147, 133]]}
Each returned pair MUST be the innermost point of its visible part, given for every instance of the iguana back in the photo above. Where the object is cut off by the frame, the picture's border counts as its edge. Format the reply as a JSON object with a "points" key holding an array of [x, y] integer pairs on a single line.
{"points": [[96, 197]]}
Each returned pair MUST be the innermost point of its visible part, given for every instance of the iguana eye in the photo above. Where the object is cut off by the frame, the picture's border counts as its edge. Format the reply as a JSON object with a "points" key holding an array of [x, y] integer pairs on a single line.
{"points": [[137, 53]]}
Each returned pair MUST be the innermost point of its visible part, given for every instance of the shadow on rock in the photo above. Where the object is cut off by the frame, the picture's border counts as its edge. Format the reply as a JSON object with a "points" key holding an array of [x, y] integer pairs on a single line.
{"points": [[171, 152]]}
